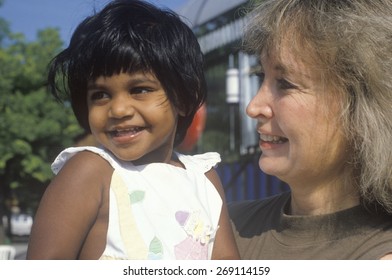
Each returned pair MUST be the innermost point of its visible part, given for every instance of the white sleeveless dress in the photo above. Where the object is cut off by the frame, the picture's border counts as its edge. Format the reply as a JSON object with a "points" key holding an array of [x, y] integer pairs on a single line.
{"points": [[159, 211]]}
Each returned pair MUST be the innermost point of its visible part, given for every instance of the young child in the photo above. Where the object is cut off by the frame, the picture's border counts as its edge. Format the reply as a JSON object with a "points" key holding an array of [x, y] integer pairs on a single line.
{"points": [[135, 79]]}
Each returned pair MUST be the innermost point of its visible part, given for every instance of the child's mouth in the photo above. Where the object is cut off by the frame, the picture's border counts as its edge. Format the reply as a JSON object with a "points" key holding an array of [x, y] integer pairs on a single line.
{"points": [[126, 132]]}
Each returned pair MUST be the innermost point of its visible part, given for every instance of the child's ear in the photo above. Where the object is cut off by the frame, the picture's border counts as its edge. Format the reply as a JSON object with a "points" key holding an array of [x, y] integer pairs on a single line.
{"points": [[181, 113]]}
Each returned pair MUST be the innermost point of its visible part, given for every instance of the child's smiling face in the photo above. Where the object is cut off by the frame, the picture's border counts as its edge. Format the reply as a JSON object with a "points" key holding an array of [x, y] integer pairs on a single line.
{"points": [[130, 115]]}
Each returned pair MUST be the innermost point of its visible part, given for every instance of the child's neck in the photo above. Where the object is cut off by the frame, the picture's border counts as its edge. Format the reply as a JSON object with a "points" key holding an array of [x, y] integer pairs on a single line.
{"points": [[176, 161]]}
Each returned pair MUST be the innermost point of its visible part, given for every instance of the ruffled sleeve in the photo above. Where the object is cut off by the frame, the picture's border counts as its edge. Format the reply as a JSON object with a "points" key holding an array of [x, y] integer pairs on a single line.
{"points": [[203, 162], [68, 153]]}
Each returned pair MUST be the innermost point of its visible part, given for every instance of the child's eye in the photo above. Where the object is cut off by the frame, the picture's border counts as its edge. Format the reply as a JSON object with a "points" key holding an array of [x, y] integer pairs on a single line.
{"points": [[141, 90], [98, 95]]}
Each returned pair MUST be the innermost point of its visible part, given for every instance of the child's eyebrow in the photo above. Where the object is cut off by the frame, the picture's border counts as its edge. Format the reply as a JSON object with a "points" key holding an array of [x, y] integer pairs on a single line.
{"points": [[92, 85], [139, 79]]}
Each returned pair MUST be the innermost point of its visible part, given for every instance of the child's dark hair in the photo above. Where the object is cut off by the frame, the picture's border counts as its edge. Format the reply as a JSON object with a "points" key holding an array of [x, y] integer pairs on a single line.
{"points": [[130, 36]]}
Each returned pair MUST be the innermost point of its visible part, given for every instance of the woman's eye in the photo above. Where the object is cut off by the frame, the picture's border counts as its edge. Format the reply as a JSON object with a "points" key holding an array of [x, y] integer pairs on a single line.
{"points": [[260, 75], [284, 84]]}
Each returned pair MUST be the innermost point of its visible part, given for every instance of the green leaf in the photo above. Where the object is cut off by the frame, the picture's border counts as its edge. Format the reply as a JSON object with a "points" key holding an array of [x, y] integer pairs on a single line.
{"points": [[136, 196]]}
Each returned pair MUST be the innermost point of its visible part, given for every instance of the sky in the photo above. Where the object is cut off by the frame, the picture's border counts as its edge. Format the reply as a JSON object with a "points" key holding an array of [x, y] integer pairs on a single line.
{"points": [[29, 16]]}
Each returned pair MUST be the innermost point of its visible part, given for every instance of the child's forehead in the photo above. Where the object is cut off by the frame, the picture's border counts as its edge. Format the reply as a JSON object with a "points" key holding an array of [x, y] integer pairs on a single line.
{"points": [[138, 73], [135, 74]]}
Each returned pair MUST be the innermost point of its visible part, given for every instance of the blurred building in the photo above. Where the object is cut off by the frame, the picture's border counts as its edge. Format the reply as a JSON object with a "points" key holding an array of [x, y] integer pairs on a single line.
{"points": [[231, 84]]}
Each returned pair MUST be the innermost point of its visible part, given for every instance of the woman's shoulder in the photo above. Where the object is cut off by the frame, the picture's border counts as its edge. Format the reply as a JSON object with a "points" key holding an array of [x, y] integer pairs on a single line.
{"points": [[247, 207], [250, 216]]}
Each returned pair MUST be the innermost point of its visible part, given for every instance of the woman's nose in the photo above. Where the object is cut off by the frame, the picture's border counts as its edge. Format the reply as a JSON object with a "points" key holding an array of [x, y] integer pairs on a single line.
{"points": [[261, 106]]}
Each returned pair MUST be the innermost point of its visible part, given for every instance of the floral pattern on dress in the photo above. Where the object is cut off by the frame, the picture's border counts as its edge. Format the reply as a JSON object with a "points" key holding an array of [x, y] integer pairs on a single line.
{"points": [[195, 246], [155, 251]]}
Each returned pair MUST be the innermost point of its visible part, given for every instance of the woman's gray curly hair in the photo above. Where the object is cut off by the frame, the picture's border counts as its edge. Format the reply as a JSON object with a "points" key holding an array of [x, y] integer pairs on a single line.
{"points": [[350, 43]]}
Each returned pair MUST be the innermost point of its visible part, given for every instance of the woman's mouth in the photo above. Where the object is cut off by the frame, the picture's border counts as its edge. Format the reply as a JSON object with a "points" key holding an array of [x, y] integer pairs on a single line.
{"points": [[272, 139]]}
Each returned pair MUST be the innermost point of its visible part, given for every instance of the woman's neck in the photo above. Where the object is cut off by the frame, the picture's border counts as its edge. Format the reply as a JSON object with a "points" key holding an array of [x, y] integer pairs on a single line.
{"points": [[323, 199]]}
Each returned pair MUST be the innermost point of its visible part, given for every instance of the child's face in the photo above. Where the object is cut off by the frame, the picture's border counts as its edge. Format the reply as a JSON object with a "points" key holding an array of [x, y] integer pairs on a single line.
{"points": [[130, 114]]}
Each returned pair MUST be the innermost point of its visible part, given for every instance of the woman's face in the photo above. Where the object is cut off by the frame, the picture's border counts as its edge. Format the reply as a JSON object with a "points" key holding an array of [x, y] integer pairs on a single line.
{"points": [[301, 137]]}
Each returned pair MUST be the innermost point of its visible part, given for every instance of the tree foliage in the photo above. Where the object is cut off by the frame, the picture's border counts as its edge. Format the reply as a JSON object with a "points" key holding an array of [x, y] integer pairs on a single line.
{"points": [[33, 126]]}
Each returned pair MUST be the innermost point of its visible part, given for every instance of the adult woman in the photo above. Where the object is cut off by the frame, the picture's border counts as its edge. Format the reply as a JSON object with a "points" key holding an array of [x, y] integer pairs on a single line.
{"points": [[324, 116]]}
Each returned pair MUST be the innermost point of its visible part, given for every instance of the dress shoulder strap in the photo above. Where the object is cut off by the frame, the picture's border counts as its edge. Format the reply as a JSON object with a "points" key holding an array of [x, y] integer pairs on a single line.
{"points": [[68, 153], [203, 162]]}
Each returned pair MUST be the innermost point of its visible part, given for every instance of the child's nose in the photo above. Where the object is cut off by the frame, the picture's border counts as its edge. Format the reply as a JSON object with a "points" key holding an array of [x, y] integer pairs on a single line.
{"points": [[121, 107]]}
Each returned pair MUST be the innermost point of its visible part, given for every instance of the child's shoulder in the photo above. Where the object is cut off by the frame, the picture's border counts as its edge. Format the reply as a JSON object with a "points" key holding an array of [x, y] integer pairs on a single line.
{"points": [[84, 152]]}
